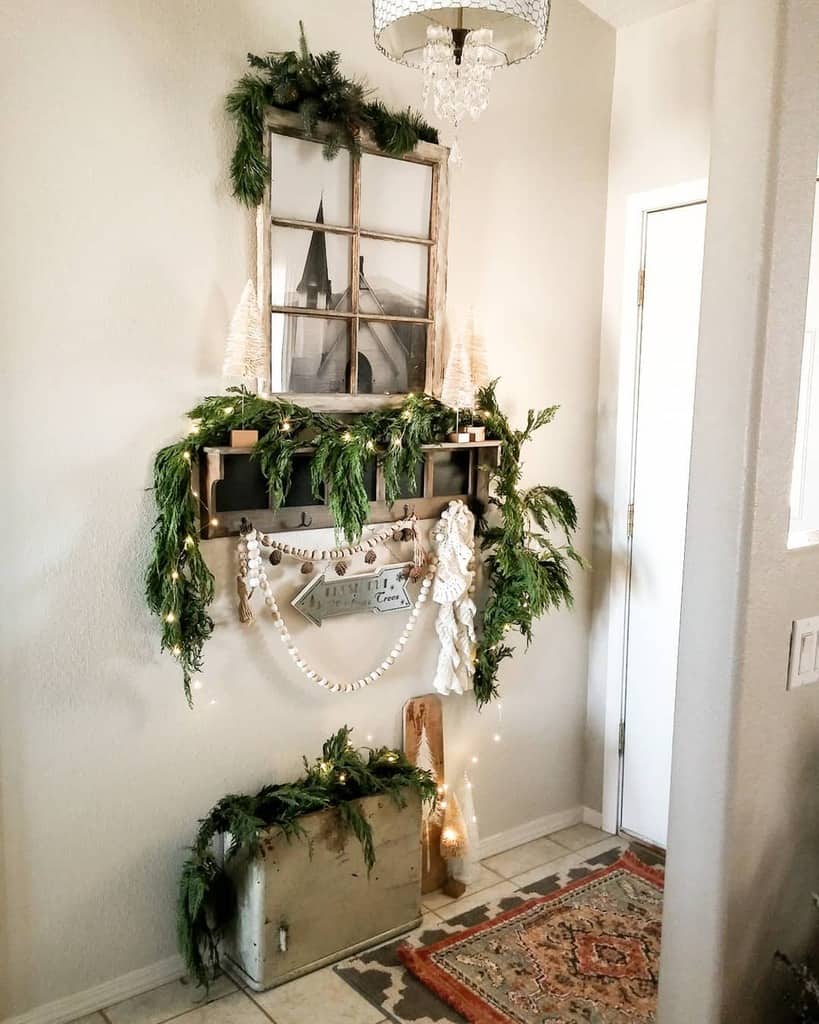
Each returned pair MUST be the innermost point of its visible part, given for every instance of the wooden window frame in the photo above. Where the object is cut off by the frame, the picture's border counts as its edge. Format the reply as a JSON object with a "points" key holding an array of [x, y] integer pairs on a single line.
{"points": [[284, 122]]}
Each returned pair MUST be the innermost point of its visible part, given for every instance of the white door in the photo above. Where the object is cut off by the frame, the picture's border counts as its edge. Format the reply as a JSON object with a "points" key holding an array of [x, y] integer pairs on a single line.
{"points": [[667, 356]]}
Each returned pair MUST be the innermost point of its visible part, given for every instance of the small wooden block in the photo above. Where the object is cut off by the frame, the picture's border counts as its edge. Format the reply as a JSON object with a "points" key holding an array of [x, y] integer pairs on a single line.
{"points": [[453, 888], [243, 438], [461, 437]]}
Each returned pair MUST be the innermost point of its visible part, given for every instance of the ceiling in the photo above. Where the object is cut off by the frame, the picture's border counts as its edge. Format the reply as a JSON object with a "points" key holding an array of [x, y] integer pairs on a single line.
{"points": [[626, 12]]}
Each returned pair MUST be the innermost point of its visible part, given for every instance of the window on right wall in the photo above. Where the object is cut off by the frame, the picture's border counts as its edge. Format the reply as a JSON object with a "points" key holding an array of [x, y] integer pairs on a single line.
{"points": [[804, 527]]}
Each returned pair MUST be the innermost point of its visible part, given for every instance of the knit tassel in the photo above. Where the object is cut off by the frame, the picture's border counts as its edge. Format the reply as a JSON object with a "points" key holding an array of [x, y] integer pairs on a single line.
{"points": [[245, 611]]}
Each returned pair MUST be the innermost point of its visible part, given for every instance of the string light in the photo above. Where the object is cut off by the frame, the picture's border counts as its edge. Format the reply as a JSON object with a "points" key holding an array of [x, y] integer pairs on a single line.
{"points": [[406, 415], [371, 446], [228, 409], [346, 437], [174, 575], [286, 425], [189, 541], [177, 650], [342, 777], [197, 684], [474, 759], [170, 617], [186, 456], [497, 737], [396, 442], [214, 522]]}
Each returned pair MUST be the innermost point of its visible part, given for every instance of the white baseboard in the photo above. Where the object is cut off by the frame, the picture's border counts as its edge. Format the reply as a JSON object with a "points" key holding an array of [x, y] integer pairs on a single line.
{"points": [[500, 842], [61, 1011], [594, 818]]}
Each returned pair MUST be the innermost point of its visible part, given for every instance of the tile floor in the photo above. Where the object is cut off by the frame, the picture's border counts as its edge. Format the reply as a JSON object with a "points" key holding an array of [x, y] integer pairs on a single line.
{"points": [[373, 988]]}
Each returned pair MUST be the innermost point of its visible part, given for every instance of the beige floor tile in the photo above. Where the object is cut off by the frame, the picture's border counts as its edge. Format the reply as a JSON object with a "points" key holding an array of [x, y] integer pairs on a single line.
{"points": [[90, 1018], [523, 858], [435, 900], [578, 836], [477, 899], [566, 862], [236, 1008], [167, 1001], [317, 997]]}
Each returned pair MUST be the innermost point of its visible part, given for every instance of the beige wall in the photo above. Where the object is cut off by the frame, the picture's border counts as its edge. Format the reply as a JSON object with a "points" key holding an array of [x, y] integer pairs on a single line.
{"points": [[744, 808], [123, 255], [660, 137]]}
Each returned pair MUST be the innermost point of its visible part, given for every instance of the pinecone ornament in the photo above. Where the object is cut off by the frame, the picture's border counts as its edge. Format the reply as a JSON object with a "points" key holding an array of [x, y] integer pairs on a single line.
{"points": [[275, 556], [369, 558], [341, 568], [307, 567]]}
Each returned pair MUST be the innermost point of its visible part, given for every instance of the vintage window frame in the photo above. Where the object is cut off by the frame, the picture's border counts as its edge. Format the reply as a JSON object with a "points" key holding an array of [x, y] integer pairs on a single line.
{"points": [[284, 122]]}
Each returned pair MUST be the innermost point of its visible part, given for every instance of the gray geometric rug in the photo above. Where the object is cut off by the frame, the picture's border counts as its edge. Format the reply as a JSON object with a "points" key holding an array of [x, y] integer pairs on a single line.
{"points": [[379, 976]]}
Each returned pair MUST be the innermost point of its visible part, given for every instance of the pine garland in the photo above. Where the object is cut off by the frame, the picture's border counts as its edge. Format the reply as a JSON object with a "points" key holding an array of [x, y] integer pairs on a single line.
{"points": [[340, 778], [312, 85], [528, 574]]}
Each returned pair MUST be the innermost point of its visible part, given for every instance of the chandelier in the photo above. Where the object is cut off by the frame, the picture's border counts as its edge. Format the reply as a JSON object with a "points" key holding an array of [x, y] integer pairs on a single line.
{"points": [[459, 47]]}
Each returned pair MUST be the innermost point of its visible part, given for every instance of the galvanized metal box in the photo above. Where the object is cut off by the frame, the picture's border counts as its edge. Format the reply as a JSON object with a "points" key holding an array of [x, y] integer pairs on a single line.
{"points": [[309, 902]]}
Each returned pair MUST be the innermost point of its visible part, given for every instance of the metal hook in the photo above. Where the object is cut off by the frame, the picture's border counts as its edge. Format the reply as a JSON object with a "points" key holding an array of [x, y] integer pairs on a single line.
{"points": [[306, 520]]}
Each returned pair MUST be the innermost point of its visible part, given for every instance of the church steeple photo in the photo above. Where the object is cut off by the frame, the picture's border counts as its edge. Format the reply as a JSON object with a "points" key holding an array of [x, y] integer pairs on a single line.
{"points": [[315, 282]]}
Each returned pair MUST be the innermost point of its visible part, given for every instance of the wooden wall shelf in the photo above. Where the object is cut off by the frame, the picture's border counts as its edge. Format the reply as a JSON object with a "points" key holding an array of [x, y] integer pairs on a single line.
{"points": [[233, 488]]}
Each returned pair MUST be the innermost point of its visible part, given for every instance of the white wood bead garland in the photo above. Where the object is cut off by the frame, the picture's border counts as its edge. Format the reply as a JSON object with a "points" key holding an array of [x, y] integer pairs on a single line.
{"points": [[366, 680]]}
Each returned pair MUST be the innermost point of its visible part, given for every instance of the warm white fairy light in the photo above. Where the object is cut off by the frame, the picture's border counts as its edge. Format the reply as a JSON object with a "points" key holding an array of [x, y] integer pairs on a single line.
{"points": [[406, 415], [189, 541], [174, 575], [285, 425], [186, 456], [170, 617], [214, 522], [228, 410], [497, 737], [474, 759], [177, 650], [371, 446], [197, 684], [346, 437]]}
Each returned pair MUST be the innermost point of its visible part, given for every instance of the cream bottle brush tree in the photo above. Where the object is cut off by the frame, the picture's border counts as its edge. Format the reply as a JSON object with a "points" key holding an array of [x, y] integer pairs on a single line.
{"points": [[458, 389], [245, 355]]}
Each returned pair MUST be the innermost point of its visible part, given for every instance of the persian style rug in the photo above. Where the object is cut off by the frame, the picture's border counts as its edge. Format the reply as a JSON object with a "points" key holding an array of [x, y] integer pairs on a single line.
{"points": [[585, 954]]}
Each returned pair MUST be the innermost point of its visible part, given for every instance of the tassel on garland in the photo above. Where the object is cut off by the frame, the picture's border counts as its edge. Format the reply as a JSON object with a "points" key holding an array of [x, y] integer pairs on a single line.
{"points": [[245, 611]]}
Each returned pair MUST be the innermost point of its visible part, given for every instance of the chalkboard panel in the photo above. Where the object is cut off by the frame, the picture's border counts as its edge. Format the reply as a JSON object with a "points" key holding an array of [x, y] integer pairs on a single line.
{"points": [[412, 486], [243, 486], [450, 472], [301, 490]]}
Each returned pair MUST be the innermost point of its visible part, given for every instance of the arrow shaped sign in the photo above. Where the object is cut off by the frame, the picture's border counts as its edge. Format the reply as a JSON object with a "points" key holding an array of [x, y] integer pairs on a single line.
{"points": [[381, 591]]}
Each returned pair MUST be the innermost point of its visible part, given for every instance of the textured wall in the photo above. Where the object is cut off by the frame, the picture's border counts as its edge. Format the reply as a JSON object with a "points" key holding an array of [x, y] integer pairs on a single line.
{"points": [[123, 256]]}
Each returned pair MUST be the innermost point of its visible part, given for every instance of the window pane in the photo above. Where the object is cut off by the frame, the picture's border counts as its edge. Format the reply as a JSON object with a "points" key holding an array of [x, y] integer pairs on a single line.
{"points": [[392, 358], [383, 180], [304, 184], [804, 526], [309, 269], [393, 278], [309, 354]]}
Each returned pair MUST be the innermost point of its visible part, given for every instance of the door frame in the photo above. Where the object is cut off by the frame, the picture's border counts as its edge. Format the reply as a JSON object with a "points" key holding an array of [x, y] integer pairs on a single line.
{"points": [[637, 210]]}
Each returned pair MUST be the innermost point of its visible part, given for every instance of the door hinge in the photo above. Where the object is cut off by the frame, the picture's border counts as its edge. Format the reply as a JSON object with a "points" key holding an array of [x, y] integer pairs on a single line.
{"points": [[621, 739], [641, 287], [630, 520]]}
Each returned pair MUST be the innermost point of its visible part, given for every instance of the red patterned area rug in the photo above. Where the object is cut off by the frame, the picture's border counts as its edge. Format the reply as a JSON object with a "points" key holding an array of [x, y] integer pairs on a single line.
{"points": [[586, 954]]}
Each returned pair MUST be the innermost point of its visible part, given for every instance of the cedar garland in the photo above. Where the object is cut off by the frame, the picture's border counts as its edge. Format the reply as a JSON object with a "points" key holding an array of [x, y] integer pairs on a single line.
{"points": [[312, 85], [528, 573]]}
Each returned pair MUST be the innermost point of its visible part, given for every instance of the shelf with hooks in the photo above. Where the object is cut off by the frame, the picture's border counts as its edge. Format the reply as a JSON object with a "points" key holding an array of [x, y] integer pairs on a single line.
{"points": [[232, 488]]}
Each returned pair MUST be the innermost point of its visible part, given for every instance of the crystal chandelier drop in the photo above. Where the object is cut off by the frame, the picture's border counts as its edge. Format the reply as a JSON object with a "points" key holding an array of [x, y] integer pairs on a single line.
{"points": [[459, 47]]}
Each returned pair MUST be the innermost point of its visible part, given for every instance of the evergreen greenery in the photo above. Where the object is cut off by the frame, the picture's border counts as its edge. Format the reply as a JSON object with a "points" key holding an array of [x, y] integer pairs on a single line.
{"points": [[312, 85], [803, 998], [528, 573], [340, 778]]}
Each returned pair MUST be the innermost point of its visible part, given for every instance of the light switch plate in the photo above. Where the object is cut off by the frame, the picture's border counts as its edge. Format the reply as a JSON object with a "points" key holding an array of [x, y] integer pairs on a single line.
{"points": [[804, 663]]}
